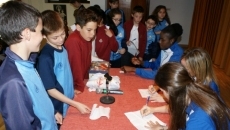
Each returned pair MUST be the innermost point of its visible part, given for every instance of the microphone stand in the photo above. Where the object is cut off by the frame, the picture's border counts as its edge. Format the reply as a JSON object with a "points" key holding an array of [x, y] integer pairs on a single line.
{"points": [[107, 99]]}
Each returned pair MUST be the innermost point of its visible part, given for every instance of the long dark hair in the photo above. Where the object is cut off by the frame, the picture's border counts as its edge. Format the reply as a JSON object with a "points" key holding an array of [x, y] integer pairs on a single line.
{"points": [[158, 8], [182, 90]]}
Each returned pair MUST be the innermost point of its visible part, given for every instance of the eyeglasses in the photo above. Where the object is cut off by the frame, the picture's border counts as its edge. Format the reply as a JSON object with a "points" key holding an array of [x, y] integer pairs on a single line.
{"points": [[150, 23]]}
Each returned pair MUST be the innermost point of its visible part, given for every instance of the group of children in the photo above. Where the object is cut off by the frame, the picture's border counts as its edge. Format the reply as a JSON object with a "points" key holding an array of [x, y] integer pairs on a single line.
{"points": [[41, 96]]}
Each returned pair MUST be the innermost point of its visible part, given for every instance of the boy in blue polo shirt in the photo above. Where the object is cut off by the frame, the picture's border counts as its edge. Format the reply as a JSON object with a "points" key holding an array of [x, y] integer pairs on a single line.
{"points": [[53, 66], [24, 103]]}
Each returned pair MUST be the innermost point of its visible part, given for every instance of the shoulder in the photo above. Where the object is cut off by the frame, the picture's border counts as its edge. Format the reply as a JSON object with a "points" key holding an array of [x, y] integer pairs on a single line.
{"points": [[214, 87], [176, 48], [198, 119]]}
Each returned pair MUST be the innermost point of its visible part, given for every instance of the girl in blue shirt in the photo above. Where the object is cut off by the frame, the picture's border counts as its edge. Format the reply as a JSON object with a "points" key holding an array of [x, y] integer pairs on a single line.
{"points": [[193, 106], [114, 18], [161, 12]]}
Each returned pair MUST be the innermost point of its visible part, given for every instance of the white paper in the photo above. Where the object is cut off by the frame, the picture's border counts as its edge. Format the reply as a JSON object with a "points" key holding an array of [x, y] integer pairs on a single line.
{"points": [[140, 122], [133, 50], [144, 93], [96, 113], [155, 97]]}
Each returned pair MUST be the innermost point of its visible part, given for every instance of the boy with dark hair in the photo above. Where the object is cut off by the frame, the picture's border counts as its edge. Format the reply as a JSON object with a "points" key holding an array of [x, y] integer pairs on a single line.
{"points": [[52, 60], [113, 5], [79, 46], [136, 35], [152, 46], [24, 103]]}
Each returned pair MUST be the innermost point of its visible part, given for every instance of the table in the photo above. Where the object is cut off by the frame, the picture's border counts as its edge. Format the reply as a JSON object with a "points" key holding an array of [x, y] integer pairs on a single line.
{"points": [[130, 101]]}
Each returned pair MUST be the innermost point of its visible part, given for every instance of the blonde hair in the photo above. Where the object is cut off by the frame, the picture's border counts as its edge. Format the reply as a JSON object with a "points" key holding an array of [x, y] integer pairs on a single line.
{"points": [[200, 63]]}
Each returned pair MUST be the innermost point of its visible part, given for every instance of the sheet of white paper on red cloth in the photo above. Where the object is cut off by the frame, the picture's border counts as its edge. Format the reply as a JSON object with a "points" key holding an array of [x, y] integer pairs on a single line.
{"points": [[96, 113], [140, 122]]}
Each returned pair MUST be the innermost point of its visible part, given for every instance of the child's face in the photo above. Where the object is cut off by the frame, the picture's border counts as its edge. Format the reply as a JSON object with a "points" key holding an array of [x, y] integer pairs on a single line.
{"points": [[56, 39], [88, 31], [161, 14], [150, 24], [114, 5], [137, 17], [117, 19], [164, 41], [36, 37]]}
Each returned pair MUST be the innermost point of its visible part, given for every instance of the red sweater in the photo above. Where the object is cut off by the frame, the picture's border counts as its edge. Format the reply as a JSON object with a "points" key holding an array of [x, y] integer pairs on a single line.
{"points": [[79, 54], [104, 44], [142, 35]]}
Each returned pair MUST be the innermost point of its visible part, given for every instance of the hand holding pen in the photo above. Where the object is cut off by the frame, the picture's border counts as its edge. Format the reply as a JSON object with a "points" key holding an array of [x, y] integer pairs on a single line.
{"points": [[146, 110]]}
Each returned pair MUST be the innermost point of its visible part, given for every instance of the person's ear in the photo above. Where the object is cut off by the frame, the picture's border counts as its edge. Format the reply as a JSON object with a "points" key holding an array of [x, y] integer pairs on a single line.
{"points": [[26, 34], [78, 27], [132, 15], [172, 40]]}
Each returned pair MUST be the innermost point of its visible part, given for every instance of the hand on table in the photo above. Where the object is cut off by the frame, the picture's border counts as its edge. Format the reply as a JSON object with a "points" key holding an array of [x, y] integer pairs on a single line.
{"points": [[128, 69], [137, 61], [58, 117], [146, 110], [82, 108], [153, 89], [155, 126]]}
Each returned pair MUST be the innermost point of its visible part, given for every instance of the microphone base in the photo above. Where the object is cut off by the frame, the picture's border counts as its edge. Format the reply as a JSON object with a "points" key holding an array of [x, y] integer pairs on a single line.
{"points": [[107, 99]]}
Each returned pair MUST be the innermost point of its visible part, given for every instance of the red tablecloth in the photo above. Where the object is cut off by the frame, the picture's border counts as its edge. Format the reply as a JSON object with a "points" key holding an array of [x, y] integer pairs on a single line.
{"points": [[130, 101]]}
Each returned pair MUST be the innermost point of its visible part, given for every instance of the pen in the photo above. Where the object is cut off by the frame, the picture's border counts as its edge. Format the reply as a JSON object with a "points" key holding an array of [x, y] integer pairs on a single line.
{"points": [[147, 100]]}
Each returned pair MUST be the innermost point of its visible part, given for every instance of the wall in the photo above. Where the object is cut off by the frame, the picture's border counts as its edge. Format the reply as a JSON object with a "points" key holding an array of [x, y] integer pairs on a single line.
{"points": [[41, 6], [180, 11], [102, 3]]}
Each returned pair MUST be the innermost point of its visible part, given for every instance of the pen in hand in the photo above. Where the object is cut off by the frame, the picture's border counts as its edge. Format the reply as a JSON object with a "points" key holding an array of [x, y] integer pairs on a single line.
{"points": [[147, 101], [145, 107]]}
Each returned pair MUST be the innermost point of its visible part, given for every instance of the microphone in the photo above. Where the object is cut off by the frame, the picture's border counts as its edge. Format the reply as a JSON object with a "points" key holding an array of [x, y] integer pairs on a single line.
{"points": [[103, 91]]}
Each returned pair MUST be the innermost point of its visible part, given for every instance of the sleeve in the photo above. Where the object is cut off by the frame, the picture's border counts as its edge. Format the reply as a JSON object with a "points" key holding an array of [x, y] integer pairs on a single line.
{"points": [[17, 107], [123, 41], [153, 65], [45, 69], [148, 74], [75, 57], [113, 43], [142, 40], [214, 87]]}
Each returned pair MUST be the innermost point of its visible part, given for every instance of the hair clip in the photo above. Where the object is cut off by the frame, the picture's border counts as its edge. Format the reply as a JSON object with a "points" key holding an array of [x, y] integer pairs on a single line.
{"points": [[194, 78]]}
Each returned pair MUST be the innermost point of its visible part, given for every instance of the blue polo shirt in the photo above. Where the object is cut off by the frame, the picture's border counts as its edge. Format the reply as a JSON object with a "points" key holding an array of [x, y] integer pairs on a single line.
{"points": [[54, 69], [198, 119], [24, 103]]}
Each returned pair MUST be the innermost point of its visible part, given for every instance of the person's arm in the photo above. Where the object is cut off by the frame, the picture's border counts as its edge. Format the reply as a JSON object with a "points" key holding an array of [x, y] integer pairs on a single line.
{"points": [[142, 40], [149, 74], [59, 96], [16, 103], [113, 43], [146, 110], [75, 60]]}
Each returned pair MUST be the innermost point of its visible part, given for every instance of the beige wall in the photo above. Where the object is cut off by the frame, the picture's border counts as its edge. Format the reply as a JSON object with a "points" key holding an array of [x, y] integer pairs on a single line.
{"points": [[41, 6]]}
